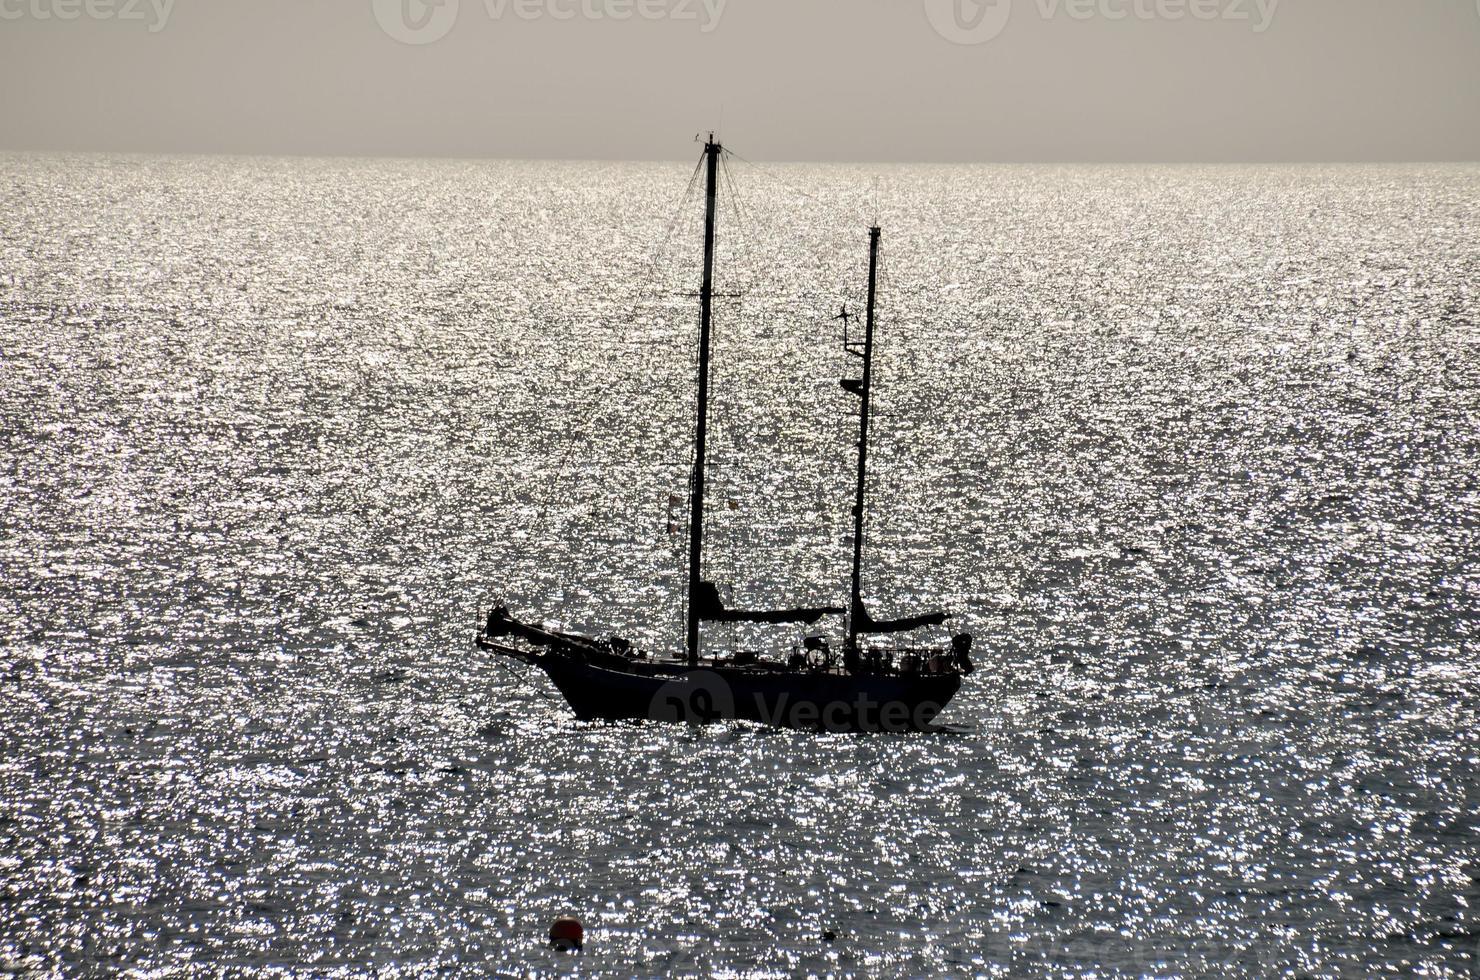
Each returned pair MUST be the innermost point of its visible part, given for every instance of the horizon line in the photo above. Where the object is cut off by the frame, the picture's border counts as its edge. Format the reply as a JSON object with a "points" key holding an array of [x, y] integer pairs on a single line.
{"points": [[943, 162]]}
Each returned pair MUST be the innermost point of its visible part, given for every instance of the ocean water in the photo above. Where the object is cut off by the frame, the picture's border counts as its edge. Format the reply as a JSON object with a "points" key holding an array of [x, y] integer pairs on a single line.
{"points": [[1192, 451]]}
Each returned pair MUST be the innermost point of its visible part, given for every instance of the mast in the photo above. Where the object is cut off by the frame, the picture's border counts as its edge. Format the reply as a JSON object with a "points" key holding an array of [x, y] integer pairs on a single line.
{"points": [[855, 602], [696, 489]]}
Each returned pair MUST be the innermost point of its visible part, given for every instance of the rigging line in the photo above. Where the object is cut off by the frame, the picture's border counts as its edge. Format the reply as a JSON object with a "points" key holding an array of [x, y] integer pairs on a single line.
{"points": [[673, 219], [727, 414], [740, 224], [880, 317], [588, 409], [771, 177], [725, 417], [875, 374], [655, 253], [748, 243], [744, 221]]}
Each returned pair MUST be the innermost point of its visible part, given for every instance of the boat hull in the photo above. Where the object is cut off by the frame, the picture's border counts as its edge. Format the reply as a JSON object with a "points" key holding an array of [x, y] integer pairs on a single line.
{"points": [[824, 700]]}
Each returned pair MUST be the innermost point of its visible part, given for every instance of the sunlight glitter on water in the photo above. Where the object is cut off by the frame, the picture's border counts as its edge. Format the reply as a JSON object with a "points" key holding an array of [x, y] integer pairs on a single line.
{"points": [[1192, 451]]}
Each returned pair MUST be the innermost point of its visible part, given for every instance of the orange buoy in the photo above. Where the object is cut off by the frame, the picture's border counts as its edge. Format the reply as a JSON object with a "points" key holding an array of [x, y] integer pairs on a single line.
{"points": [[566, 933]]}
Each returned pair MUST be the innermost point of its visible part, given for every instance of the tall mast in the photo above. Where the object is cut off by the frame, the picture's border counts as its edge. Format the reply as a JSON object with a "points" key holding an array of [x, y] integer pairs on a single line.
{"points": [[855, 603], [696, 490]]}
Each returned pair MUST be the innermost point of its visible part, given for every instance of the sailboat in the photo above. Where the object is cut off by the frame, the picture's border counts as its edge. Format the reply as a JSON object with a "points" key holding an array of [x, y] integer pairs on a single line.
{"points": [[863, 687]]}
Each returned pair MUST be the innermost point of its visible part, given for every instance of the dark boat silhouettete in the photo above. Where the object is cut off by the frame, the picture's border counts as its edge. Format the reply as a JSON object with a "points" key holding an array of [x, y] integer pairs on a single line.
{"points": [[862, 687]]}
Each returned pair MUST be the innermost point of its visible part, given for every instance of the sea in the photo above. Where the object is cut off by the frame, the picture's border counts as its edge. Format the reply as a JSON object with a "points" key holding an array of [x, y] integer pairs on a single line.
{"points": [[1192, 451]]}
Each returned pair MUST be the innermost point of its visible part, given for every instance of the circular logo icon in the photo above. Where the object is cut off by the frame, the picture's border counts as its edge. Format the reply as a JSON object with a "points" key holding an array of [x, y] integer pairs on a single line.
{"points": [[969, 21], [415, 21], [696, 698]]}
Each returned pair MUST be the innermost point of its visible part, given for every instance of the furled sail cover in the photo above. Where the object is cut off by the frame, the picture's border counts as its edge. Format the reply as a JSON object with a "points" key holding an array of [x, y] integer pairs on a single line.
{"points": [[864, 623], [712, 609]]}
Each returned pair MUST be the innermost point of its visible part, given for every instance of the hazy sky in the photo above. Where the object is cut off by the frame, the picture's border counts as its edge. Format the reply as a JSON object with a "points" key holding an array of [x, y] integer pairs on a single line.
{"points": [[1035, 80]]}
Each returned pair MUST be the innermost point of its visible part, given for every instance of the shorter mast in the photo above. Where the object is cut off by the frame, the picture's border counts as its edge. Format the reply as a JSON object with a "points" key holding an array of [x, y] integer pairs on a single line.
{"points": [[862, 388], [859, 620]]}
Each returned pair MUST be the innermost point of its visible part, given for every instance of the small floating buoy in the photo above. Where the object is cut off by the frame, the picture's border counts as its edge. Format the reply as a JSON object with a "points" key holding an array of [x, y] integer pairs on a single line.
{"points": [[566, 933]]}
